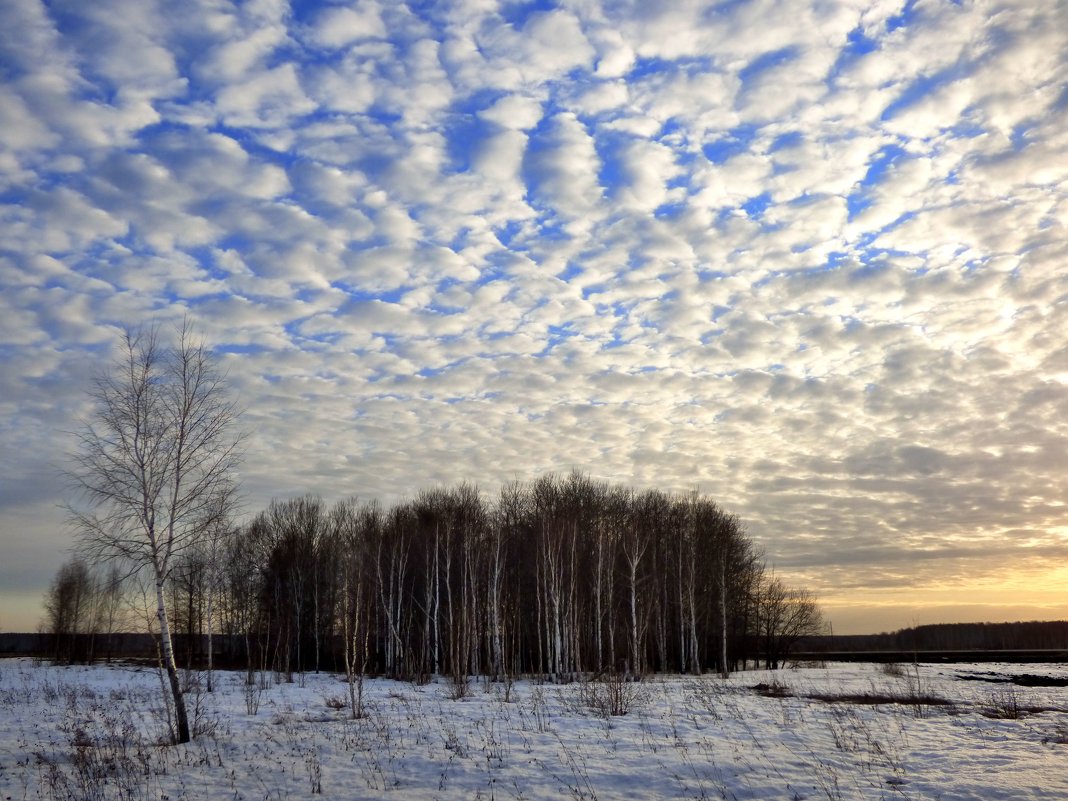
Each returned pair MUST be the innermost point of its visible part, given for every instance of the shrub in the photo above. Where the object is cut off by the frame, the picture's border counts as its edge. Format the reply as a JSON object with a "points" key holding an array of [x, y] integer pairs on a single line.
{"points": [[611, 695]]}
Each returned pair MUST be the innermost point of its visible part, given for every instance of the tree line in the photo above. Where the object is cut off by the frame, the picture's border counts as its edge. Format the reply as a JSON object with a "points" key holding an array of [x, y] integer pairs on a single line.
{"points": [[1044, 635], [559, 577]]}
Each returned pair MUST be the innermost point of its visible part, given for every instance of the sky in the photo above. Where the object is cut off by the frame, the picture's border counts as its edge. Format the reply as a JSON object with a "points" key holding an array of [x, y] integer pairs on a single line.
{"points": [[808, 258]]}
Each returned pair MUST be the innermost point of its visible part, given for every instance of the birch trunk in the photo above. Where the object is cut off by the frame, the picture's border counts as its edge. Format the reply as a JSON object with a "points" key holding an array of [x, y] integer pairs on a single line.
{"points": [[182, 733], [724, 669]]}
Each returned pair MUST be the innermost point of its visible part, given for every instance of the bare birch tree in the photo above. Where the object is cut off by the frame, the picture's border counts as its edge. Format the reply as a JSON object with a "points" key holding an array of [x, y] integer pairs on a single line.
{"points": [[155, 464], [355, 528], [213, 548]]}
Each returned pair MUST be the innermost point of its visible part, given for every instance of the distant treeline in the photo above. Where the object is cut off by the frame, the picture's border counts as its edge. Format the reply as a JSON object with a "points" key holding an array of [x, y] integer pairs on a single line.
{"points": [[85, 646], [1024, 636], [561, 576]]}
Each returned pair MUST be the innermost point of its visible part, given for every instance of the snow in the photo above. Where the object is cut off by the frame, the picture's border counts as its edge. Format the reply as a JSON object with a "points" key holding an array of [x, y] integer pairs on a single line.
{"points": [[95, 732]]}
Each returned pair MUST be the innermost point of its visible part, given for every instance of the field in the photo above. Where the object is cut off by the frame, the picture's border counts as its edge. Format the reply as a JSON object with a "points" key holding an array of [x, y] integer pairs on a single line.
{"points": [[840, 731]]}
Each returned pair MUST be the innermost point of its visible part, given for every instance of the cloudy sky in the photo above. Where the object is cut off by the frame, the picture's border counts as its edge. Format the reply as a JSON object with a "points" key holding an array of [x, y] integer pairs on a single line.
{"points": [[809, 258]]}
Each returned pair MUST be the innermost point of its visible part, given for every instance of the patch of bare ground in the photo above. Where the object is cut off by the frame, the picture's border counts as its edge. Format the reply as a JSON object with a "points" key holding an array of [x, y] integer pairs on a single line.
{"points": [[777, 690], [1019, 679]]}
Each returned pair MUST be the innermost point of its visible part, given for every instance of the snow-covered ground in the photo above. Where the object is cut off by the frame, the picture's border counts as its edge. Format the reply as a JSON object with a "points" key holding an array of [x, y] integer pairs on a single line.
{"points": [[94, 733]]}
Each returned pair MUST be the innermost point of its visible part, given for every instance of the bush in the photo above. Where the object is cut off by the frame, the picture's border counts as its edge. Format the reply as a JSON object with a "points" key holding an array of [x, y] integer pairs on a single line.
{"points": [[611, 695]]}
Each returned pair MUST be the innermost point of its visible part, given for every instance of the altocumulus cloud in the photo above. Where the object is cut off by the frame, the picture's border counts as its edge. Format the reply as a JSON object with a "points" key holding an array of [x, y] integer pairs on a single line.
{"points": [[808, 258]]}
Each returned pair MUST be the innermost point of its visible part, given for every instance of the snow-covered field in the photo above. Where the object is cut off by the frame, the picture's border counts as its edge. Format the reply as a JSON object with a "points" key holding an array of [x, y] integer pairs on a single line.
{"points": [[94, 733]]}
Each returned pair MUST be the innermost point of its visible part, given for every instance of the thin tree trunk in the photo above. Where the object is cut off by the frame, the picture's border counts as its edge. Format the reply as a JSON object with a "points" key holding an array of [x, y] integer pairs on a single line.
{"points": [[211, 629], [633, 565], [181, 719], [598, 613], [437, 601], [724, 669]]}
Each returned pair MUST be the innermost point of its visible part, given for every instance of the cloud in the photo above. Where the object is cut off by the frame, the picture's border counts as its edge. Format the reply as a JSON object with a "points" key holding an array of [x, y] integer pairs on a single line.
{"points": [[268, 99], [808, 258], [564, 169], [241, 41], [514, 111], [549, 45], [647, 168], [19, 129], [337, 27]]}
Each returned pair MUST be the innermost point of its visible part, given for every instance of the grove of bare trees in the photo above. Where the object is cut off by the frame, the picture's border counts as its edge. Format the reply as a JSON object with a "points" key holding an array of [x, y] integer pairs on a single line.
{"points": [[83, 610], [556, 578], [560, 577]]}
